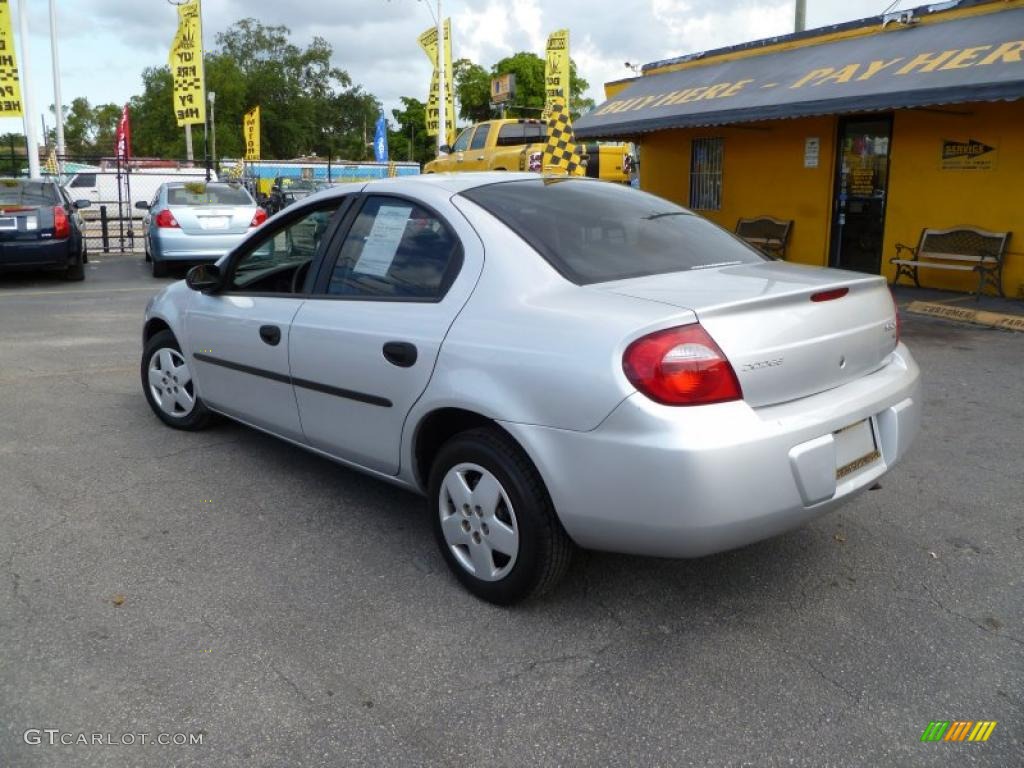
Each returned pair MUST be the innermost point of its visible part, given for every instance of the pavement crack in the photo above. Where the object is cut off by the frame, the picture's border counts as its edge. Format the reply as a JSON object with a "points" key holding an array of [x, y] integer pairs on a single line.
{"points": [[987, 630], [290, 682]]}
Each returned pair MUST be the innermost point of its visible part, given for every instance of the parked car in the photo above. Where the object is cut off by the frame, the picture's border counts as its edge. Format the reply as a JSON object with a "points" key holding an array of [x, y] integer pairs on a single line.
{"points": [[195, 222], [286, 191], [553, 362], [40, 228]]}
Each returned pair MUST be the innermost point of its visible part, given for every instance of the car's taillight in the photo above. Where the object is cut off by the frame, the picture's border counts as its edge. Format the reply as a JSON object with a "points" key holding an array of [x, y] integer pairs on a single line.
{"points": [[165, 219], [681, 366], [61, 223], [258, 218]]}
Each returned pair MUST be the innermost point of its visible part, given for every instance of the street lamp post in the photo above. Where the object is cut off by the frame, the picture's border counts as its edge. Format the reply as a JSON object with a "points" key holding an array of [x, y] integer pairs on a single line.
{"points": [[58, 106], [212, 97], [27, 94]]}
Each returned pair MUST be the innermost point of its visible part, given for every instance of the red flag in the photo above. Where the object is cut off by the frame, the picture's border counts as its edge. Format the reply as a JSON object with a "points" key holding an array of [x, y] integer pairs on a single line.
{"points": [[123, 137]]}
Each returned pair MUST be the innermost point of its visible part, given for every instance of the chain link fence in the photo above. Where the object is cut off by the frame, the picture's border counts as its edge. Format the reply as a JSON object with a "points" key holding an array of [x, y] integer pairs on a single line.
{"points": [[113, 220]]}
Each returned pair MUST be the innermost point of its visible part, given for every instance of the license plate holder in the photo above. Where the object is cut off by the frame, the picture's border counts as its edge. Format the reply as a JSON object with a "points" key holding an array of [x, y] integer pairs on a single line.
{"points": [[214, 222], [856, 448]]}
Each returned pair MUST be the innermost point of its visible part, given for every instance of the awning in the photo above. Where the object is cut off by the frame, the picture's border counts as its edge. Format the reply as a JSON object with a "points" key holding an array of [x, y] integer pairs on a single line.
{"points": [[978, 58]]}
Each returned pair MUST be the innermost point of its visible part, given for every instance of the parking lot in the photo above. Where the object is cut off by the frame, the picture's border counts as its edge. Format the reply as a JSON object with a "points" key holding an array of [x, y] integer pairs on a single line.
{"points": [[295, 613]]}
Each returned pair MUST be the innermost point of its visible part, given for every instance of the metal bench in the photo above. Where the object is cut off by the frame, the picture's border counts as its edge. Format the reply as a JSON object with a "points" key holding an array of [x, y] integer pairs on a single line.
{"points": [[963, 249], [769, 235]]}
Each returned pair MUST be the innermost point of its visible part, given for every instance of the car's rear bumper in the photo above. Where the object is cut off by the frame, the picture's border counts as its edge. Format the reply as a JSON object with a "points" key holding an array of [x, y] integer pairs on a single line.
{"points": [[174, 245], [35, 255], [686, 482]]}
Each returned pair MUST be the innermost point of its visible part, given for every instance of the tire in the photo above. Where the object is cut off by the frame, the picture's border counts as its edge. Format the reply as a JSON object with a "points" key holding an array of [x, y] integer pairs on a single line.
{"points": [[521, 518], [166, 401], [160, 268], [76, 269]]}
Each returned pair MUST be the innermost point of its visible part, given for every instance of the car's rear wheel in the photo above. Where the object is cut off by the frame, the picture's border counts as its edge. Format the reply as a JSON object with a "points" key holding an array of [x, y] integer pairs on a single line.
{"points": [[76, 269], [493, 519], [169, 386], [160, 268]]}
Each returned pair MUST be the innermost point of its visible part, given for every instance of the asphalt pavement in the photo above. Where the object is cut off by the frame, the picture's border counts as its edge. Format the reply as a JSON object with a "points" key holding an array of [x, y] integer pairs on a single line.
{"points": [[289, 612]]}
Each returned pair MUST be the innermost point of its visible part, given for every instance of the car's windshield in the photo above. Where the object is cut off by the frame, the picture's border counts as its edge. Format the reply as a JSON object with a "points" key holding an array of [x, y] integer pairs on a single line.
{"points": [[25, 192], [201, 193], [593, 231]]}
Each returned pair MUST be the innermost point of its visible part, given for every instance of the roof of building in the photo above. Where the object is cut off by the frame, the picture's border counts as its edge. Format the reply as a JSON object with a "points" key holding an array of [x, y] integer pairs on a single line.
{"points": [[885, 62]]}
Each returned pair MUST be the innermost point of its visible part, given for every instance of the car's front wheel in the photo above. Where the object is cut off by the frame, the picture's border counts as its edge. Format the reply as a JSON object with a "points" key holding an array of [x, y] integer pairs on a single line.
{"points": [[493, 519], [169, 386]]}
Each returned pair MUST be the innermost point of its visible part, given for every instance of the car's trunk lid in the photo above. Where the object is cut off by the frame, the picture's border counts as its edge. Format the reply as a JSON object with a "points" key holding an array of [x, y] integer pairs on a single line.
{"points": [[782, 344], [25, 222], [212, 219]]}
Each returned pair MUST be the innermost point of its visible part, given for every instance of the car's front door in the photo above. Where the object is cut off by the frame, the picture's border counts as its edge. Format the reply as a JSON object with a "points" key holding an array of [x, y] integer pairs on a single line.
{"points": [[239, 336], [363, 348]]}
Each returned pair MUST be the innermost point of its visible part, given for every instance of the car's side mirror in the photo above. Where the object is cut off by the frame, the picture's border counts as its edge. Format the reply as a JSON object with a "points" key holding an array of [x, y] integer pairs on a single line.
{"points": [[205, 278], [79, 204], [444, 149], [142, 205]]}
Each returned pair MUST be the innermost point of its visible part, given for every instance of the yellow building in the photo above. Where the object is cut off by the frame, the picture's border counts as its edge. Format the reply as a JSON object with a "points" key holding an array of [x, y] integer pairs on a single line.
{"points": [[862, 134]]}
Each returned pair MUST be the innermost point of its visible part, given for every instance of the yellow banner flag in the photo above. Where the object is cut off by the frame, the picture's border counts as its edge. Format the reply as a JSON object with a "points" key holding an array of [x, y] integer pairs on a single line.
{"points": [[251, 131], [428, 42], [10, 81], [556, 71], [562, 154], [186, 63]]}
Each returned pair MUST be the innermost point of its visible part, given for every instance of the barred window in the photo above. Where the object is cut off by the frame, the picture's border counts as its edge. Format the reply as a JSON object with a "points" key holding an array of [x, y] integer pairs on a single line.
{"points": [[706, 174]]}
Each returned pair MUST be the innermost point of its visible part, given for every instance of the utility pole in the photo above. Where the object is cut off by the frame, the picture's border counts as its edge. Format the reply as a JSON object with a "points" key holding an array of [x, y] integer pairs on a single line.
{"points": [[800, 20], [58, 105], [27, 94]]}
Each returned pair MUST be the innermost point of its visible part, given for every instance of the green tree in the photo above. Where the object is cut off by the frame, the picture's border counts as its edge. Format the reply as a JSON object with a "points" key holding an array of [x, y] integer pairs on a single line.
{"points": [[473, 90], [411, 130], [529, 71]]}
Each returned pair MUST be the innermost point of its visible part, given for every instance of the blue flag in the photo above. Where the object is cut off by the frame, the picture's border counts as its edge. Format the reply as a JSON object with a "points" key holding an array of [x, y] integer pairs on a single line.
{"points": [[380, 141]]}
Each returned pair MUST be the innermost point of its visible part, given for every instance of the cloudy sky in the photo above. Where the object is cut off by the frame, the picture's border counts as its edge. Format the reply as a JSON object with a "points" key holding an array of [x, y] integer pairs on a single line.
{"points": [[105, 44]]}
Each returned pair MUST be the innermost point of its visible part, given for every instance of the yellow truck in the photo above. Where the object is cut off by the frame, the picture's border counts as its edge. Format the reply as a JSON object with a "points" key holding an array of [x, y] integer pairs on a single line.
{"points": [[518, 145]]}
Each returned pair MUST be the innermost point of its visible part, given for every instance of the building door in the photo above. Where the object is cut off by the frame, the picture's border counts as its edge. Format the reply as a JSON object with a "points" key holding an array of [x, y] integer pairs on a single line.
{"points": [[858, 206]]}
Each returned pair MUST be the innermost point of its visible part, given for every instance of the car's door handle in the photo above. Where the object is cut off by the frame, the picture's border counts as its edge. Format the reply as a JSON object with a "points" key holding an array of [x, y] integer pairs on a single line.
{"points": [[400, 353], [270, 334], [480, 157]]}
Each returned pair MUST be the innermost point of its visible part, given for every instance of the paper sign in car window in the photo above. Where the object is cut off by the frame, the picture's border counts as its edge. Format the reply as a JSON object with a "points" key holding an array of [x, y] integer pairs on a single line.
{"points": [[382, 243]]}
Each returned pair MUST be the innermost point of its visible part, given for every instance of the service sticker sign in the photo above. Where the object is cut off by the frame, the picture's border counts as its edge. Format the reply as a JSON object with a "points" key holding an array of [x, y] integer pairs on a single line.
{"points": [[10, 81], [812, 151], [970, 155]]}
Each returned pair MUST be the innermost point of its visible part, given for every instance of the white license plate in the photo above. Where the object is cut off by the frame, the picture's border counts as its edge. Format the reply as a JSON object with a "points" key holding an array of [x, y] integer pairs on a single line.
{"points": [[214, 222], [8, 222], [856, 448]]}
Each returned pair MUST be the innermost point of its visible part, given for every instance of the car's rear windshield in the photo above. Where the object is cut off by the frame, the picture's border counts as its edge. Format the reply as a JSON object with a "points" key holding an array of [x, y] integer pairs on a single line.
{"points": [[514, 134], [594, 231], [201, 193], [25, 192]]}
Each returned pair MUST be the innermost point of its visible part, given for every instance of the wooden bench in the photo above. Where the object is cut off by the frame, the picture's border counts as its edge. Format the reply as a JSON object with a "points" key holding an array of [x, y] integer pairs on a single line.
{"points": [[963, 249], [767, 234]]}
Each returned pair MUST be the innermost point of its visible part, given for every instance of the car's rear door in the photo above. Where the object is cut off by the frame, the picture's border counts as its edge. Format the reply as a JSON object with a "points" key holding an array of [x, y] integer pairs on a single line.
{"points": [[363, 347], [238, 337]]}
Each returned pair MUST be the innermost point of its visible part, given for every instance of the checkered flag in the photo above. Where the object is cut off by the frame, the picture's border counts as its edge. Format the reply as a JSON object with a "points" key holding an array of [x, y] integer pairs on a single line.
{"points": [[562, 152], [51, 166]]}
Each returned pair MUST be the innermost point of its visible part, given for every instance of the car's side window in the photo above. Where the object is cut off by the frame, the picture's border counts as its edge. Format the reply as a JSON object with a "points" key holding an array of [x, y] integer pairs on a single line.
{"points": [[480, 137], [395, 249], [278, 261], [463, 141]]}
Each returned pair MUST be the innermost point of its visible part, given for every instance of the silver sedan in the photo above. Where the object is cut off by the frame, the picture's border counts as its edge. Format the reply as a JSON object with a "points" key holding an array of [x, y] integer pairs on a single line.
{"points": [[193, 221], [554, 363]]}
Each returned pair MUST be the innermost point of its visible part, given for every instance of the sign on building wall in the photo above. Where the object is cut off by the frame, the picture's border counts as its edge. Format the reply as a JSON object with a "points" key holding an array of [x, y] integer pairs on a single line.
{"points": [[970, 155], [186, 63], [812, 151], [10, 82]]}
